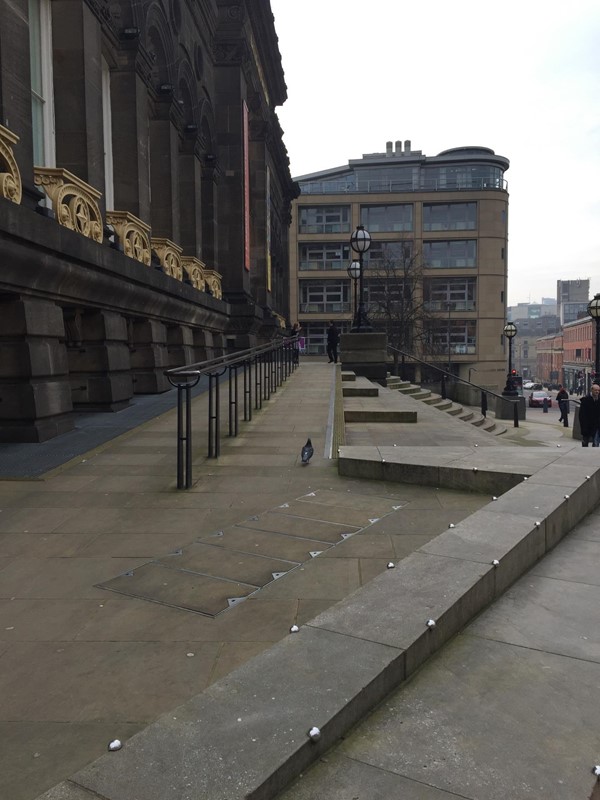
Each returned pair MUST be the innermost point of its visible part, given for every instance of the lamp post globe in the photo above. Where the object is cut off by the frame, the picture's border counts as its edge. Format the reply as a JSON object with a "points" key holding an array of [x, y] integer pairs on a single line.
{"points": [[510, 331], [360, 241], [594, 312]]}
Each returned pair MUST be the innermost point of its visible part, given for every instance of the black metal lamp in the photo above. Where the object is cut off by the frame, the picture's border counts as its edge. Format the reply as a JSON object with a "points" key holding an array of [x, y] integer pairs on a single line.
{"points": [[594, 312], [354, 271], [510, 331], [360, 241]]}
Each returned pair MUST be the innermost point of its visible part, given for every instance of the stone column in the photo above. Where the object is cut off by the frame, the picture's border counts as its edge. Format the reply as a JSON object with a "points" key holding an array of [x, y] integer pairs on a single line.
{"points": [[77, 50], [164, 178], [149, 356], [129, 104], [99, 364], [35, 395]]}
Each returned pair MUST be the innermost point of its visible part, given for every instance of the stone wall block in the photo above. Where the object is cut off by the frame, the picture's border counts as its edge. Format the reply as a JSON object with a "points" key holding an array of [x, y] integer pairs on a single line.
{"points": [[31, 317], [104, 325]]}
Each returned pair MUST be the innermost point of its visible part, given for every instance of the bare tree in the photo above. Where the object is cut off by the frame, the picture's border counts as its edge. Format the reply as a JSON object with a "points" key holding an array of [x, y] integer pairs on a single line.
{"points": [[395, 299]]}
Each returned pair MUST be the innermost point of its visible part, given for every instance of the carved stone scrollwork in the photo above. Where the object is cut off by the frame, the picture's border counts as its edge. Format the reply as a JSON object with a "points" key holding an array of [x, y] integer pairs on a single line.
{"points": [[74, 202], [10, 177], [133, 233], [194, 269], [213, 283], [169, 255]]}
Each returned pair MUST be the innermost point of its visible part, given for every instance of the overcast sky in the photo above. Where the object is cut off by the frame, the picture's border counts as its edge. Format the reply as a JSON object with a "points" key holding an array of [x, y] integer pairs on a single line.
{"points": [[522, 78]]}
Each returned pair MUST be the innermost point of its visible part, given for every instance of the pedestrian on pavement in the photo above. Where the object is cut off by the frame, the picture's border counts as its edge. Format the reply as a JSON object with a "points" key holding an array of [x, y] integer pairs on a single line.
{"points": [[562, 398], [295, 337], [333, 338], [589, 417]]}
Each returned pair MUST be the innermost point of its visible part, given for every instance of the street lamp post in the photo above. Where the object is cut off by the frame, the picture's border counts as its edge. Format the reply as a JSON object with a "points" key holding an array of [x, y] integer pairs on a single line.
{"points": [[510, 331], [360, 241], [354, 271], [449, 306], [594, 312]]}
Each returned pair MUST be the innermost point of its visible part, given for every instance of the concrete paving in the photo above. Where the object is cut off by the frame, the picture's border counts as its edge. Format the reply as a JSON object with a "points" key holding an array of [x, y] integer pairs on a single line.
{"points": [[123, 598], [89, 652]]}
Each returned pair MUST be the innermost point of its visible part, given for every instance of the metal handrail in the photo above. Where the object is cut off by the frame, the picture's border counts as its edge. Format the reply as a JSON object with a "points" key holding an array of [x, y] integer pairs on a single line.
{"points": [[445, 375], [272, 364]]}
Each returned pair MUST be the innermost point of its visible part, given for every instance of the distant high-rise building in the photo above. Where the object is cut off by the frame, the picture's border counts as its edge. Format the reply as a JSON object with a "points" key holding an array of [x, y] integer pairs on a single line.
{"points": [[572, 298]]}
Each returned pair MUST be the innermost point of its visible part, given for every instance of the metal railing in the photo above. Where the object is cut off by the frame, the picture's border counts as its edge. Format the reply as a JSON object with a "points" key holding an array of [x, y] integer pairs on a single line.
{"points": [[263, 368], [445, 377]]}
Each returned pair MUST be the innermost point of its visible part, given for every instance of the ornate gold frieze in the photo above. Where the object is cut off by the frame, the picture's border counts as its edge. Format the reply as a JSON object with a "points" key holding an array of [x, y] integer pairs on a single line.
{"points": [[74, 202], [194, 269], [213, 283], [133, 233], [169, 255], [10, 177]]}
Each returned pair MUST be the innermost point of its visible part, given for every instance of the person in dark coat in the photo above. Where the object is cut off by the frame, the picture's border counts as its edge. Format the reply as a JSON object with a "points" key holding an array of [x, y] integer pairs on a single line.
{"points": [[562, 398], [333, 338], [589, 417]]}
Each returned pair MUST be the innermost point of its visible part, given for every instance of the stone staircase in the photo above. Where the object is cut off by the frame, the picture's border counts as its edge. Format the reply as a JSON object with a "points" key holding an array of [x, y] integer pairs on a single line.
{"points": [[434, 400]]}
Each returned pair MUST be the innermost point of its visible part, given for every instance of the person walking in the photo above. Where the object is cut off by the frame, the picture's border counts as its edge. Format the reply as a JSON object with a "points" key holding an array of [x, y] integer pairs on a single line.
{"points": [[589, 417], [562, 398], [333, 338], [295, 341]]}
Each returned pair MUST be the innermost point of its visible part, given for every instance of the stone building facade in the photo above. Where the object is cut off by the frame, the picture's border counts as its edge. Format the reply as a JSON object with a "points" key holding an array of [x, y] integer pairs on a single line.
{"points": [[145, 198]]}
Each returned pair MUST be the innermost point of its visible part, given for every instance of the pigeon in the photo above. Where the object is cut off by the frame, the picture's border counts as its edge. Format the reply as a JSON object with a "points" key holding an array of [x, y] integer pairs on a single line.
{"points": [[307, 452]]}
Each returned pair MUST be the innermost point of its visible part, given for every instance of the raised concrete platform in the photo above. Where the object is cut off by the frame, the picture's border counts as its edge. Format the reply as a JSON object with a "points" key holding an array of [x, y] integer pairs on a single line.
{"points": [[246, 735]]}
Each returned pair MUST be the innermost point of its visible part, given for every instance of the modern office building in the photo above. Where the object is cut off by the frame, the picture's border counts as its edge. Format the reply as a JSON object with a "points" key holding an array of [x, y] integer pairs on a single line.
{"points": [[446, 214], [572, 299], [145, 198]]}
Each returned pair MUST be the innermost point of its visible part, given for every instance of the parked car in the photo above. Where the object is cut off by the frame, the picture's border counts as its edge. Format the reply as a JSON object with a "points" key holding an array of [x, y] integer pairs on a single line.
{"points": [[528, 385], [536, 399]]}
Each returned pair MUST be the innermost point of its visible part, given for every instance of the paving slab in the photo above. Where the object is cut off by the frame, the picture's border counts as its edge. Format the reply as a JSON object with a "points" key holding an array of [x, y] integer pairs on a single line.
{"points": [[229, 495]]}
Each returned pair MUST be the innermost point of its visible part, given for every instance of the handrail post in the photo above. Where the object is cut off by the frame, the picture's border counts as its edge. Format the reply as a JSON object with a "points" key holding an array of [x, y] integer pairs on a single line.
{"points": [[247, 390], [484, 404], [516, 413], [180, 437], [211, 442], [188, 435], [443, 387]]}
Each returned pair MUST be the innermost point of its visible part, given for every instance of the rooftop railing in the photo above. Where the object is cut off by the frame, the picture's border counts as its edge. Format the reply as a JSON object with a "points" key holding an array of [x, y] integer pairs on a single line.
{"points": [[388, 186]]}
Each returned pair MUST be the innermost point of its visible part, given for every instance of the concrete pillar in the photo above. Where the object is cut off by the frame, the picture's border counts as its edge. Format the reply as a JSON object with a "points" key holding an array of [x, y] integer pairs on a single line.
{"points": [[99, 363], [149, 356], [35, 395]]}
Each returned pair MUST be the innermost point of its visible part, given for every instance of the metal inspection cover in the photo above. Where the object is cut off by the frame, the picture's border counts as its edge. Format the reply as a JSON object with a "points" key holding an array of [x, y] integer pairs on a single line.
{"points": [[280, 521], [231, 565], [265, 543], [179, 588]]}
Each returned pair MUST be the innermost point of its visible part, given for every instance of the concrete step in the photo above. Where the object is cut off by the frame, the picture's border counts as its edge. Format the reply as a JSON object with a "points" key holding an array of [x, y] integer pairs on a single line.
{"points": [[409, 388], [441, 405], [455, 410], [378, 414], [360, 391], [348, 376]]}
